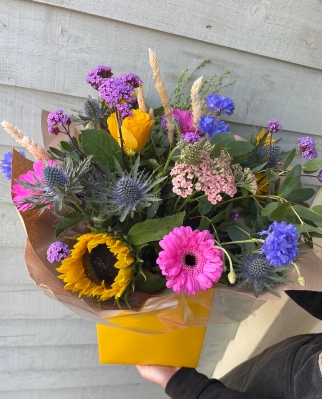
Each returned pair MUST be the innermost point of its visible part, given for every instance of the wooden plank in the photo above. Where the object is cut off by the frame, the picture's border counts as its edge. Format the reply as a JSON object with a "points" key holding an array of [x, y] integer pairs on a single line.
{"points": [[139, 390], [62, 332], [13, 270], [270, 28], [12, 233], [44, 51], [70, 378], [29, 302]]}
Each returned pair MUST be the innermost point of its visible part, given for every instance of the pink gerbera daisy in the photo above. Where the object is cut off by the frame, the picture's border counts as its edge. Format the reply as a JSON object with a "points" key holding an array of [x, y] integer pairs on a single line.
{"points": [[189, 260], [22, 193]]}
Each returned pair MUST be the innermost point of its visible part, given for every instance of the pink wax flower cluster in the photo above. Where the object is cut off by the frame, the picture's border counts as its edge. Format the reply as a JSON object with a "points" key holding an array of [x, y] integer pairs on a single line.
{"points": [[189, 260], [212, 176]]}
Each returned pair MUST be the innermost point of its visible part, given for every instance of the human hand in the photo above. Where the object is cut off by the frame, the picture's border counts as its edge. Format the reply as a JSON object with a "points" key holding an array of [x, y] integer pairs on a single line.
{"points": [[157, 374]]}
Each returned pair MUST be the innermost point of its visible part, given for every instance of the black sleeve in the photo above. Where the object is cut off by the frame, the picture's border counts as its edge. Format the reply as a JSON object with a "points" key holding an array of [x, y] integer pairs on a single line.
{"points": [[189, 384], [310, 301]]}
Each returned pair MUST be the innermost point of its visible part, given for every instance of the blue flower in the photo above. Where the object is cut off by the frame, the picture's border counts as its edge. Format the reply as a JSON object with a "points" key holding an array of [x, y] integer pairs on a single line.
{"points": [[281, 244], [274, 154], [211, 125], [220, 104], [6, 163]]}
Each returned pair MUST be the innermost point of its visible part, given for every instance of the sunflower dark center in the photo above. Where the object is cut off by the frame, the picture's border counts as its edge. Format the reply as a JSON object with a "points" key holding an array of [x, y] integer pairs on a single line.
{"points": [[99, 265], [190, 260]]}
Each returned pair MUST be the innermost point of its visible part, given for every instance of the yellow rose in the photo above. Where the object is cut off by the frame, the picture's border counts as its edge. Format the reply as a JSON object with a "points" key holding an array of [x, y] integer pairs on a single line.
{"points": [[135, 130]]}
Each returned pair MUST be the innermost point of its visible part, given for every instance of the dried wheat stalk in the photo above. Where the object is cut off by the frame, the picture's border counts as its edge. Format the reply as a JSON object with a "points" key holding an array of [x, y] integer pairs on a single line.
{"points": [[196, 102], [141, 99]]}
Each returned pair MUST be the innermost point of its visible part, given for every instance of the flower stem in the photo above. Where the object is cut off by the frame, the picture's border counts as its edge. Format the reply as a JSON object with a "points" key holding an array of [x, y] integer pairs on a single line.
{"points": [[119, 124]]}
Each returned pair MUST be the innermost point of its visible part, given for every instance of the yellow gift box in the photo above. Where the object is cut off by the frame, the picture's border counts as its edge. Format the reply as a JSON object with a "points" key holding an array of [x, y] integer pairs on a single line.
{"points": [[138, 337]]}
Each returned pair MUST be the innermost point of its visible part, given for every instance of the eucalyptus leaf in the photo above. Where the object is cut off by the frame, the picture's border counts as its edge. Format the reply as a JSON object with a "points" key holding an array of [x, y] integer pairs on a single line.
{"points": [[280, 212], [291, 181], [204, 224], [238, 232], [220, 216], [204, 206], [154, 229], [239, 147], [269, 208], [102, 146], [216, 150], [223, 138], [150, 284], [289, 159], [308, 214], [312, 166], [300, 195]]}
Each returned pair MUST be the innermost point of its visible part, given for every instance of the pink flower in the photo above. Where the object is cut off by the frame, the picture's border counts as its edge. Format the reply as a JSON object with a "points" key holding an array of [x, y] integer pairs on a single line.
{"points": [[23, 193], [189, 260]]}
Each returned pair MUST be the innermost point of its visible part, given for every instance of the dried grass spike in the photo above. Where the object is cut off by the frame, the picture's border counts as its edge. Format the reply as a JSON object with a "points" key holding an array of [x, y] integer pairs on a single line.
{"points": [[35, 149], [160, 88], [151, 113], [141, 99], [196, 102]]}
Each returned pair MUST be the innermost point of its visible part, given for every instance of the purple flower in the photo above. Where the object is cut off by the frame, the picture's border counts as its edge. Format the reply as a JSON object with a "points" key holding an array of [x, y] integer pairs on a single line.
{"points": [[281, 244], [57, 118], [118, 94], [191, 137], [220, 104], [6, 163], [97, 75], [234, 216], [163, 124], [131, 79], [320, 176], [307, 147], [57, 251], [211, 125], [274, 126]]}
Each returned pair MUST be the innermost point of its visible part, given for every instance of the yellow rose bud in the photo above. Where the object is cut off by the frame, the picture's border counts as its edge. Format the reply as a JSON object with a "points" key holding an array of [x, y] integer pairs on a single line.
{"points": [[135, 130]]}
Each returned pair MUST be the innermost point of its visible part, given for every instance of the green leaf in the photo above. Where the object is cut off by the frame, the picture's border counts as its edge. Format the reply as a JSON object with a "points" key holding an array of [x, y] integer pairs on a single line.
{"points": [[317, 209], [204, 205], [151, 284], [300, 195], [154, 229], [67, 224], [223, 138], [158, 111], [221, 215], [239, 147], [258, 168], [152, 210], [102, 146], [152, 164], [289, 159], [291, 181], [306, 228], [57, 152], [269, 208], [308, 214], [66, 146], [280, 212], [204, 224], [238, 232], [312, 166], [216, 150]]}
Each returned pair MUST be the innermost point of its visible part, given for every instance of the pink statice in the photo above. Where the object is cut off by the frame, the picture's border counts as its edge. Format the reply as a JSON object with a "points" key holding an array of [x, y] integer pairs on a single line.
{"points": [[21, 194], [213, 177], [189, 260]]}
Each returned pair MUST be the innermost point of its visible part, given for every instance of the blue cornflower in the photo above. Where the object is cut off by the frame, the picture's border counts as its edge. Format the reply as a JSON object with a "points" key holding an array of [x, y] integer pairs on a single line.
{"points": [[6, 163], [220, 104], [211, 125], [281, 244]]}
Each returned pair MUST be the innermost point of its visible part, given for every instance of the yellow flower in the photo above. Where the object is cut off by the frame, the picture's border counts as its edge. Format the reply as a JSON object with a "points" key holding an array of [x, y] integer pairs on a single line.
{"points": [[135, 130], [262, 183], [267, 140], [98, 266]]}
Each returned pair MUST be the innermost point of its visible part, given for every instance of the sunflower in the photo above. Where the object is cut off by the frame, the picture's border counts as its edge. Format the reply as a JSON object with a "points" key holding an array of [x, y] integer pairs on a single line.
{"points": [[267, 140], [98, 266], [262, 183]]}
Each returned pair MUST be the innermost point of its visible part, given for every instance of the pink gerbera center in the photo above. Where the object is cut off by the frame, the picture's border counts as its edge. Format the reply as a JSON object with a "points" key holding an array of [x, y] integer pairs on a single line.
{"points": [[189, 260]]}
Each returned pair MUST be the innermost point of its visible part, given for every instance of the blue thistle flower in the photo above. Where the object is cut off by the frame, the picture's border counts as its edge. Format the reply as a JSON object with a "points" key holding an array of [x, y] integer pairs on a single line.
{"points": [[281, 244], [131, 191], [6, 163], [253, 270], [54, 177], [273, 155], [91, 108]]}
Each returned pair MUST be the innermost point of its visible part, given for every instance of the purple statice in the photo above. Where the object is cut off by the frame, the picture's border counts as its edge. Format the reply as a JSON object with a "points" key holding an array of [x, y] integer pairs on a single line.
{"points": [[118, 94], [220, 104], [274, 126], [233, 216], [57, 118], [57, 251], [320, 176], [281, 244], [5, 163], [191, 137], [210, 125], [163, 124], [307, 148], [131, 79], [97, 75]]}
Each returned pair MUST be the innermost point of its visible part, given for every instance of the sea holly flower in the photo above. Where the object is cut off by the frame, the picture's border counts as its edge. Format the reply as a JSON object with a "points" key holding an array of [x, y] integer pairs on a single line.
{"points": [[189, 260], [135, 130], [307, 148], [210, 125], [6, 163], [57, 251], [220, 104], [97, 75], [273, 151], [274, 126], [281, 244]]}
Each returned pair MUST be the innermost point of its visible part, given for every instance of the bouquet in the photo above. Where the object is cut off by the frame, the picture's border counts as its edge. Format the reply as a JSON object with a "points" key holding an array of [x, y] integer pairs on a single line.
{"points": [[135, 207]]}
